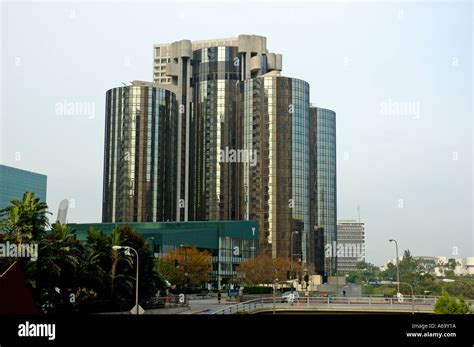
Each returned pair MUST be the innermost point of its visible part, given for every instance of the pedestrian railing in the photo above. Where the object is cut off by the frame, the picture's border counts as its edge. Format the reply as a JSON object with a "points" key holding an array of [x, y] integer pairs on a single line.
{"points": [[418, 303], [170, 301], [242, 307], [369, 301]]}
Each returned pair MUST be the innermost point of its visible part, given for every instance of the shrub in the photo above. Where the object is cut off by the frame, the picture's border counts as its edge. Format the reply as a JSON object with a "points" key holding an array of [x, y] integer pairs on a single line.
{"points": [[449, 305]]}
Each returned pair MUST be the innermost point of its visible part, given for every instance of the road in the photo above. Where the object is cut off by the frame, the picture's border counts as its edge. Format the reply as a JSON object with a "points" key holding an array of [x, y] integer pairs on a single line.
{"points": [[206, 306], [364, 304]]}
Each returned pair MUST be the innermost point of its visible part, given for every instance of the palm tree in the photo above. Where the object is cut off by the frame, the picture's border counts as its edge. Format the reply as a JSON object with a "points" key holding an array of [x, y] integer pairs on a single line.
{"points": [[58, 262], [25, 219], [117, 238]]}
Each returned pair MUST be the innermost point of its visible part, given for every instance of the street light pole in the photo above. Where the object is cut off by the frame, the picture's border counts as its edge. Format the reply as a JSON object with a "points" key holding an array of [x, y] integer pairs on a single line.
{"points": [[398, 267], [186, 273], [127, 249], [274, 293], [412, 295], [291, 251]]}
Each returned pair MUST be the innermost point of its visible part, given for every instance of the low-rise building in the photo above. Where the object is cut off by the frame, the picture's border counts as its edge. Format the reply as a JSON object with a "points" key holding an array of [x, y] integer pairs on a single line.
{"points": [[15, 182], [229, 242]]}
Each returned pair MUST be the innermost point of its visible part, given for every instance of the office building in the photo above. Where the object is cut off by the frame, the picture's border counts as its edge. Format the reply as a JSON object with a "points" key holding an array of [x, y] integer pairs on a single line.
{"points": [[323, 186], [464, 266], [228, 242], [140, 154], [247, 145], [15, 182], [350, 248], [273, 121]]}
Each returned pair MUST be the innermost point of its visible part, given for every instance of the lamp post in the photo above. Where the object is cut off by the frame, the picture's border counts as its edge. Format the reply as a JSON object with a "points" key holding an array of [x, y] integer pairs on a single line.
{"points": [[411, 288], [412, 295], [186, 273], [275, 280], [291, 251], [127, 251], [398, 267]]}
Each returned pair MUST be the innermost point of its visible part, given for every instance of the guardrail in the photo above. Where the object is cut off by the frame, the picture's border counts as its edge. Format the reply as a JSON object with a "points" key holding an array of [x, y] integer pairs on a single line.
{"points": [[242, 306], [424, 304], [170, 301], [407, 300]]}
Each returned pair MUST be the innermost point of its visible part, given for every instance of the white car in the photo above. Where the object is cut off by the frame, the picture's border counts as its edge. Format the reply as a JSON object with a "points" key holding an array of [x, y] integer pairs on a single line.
{"points": [[290, 296]]}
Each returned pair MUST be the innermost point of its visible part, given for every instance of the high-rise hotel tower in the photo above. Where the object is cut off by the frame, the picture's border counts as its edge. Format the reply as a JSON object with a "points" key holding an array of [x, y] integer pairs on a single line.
{"points": [[220, 135]]}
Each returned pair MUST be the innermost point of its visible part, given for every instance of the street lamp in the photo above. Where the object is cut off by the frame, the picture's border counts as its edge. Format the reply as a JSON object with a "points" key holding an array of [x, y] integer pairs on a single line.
{"points": [[127, 252], [411, 288], [398, 268], [291, 251], [275, 281], [412, 295], [186, 273]]}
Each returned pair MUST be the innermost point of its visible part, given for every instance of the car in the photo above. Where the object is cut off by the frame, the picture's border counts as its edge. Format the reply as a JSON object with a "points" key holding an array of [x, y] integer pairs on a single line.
{"points": [[290, 296]]}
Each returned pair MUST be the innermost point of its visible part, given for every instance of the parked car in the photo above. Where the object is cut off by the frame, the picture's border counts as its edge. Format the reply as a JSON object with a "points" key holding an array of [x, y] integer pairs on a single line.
{"points": [[290, 296]]}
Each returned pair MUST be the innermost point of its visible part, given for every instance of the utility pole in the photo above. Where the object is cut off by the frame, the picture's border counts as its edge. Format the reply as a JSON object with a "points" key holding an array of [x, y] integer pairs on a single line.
{"points": [[291, 255], [398, 267]]}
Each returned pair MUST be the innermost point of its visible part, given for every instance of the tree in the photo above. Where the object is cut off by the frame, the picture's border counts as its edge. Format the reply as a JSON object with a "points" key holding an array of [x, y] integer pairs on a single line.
{"points": [[150, 280], [366, 272], [168, 271], [53, 276], [265, 270], [91, 273], [117, 238], [412, 271], [192, 261], [25, 220], [449, 305]]}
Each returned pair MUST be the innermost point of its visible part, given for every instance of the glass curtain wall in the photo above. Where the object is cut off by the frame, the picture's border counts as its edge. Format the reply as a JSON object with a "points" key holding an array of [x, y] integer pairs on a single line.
{"points": [[274, 123], [323, 181], [140, 157], [213, 137]]}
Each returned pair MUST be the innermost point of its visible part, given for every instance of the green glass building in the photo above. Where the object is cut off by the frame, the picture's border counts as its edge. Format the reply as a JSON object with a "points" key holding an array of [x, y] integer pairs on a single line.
{"points": [[229, 242], [15, 182]]}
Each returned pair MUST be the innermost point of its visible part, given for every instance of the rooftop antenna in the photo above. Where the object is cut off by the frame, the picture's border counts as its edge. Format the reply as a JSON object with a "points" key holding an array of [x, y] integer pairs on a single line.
{"points": [[358, 213]]}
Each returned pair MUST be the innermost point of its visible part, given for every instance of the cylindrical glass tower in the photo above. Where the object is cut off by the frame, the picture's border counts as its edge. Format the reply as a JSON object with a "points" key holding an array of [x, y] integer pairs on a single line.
{"points": [[215, 73], [323, 187], [140, 155], [273, 124]]}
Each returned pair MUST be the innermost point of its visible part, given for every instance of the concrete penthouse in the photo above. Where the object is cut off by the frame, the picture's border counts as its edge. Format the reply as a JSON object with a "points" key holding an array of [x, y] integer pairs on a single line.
{"points": [[220, 134]]}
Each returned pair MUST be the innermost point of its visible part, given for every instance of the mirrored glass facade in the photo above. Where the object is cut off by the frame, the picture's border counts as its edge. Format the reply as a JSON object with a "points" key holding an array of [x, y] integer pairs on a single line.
{"points": [[212, 173], [273, 121], [140, 155], [323, 184], [221, 135]]}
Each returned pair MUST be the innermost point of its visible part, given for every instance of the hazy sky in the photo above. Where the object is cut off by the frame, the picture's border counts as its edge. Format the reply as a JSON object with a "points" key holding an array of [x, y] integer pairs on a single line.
{"points": [[398, 75]]}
